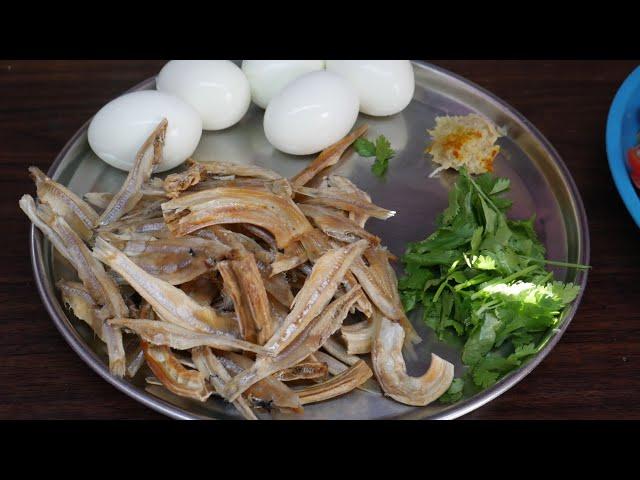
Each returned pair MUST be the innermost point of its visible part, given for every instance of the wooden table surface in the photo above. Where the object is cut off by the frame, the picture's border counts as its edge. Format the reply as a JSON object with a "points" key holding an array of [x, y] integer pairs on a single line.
{"points": [[593, 373]]}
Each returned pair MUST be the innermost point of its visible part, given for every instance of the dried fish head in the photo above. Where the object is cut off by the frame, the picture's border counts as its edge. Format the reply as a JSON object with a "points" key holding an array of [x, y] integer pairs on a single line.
{"points": [[147, 158], [66, 204]]}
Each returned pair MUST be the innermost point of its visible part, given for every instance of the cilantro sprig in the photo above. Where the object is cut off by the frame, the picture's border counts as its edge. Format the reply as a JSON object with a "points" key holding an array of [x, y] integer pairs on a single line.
{"points": [[381, 149], [480, 279]]}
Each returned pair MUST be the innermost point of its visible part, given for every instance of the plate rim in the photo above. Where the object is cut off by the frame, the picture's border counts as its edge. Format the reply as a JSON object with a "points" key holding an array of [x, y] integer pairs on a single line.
{"points": [[73, 338], [616, 157]]}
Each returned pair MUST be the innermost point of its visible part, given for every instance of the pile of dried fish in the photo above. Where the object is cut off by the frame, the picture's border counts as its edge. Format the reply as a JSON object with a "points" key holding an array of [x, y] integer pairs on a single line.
{"points": [[236, 282]]}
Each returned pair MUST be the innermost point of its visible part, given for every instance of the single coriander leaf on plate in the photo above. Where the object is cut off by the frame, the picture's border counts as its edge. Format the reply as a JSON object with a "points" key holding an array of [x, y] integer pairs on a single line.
{"points": [[383, 149], [379, 167], [364, 147], [383, 153]]}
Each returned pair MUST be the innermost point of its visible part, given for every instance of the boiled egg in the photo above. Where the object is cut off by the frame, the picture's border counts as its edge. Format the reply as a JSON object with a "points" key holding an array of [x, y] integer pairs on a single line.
{"points": [[311, 113], [119, 129], [217, 89], [385, 87], [268, 77]]}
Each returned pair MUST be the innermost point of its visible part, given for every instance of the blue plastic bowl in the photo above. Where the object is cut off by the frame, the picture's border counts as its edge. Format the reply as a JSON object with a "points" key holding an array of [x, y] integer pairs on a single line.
{"points": [[623, 125]]}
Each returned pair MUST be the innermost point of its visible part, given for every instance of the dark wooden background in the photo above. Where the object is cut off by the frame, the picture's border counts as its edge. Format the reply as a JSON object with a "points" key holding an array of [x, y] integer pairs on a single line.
{"points": [[593, 373]]}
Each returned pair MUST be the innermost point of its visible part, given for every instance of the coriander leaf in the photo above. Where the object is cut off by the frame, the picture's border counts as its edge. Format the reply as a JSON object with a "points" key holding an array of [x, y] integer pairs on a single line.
{"points": [[383, 149], [454, 393], [415, 280], [501, 185], [483, 262], [458, 276], [521, 338], [476, 238], [506, 260], [450, 337], [446, 239], [497, 363], [501, 203], [523, 351], [383, 153], [449, 322], [484, 378], [431, 314], [364, 147], [503, 232], [486, 182], [409, 299], [434, 282], [481, 340], [440, 289], [452, 210], [565, 292], [453, 267], [416, 269], [511, 325], [490, 216], [380, 167], [524, 227], [467, 214], [447, 305], [432, 258], [462, 308]]}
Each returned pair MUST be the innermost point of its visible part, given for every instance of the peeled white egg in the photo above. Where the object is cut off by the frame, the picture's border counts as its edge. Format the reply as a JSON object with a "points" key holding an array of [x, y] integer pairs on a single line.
{"points": [[385, 87], [119, 129], [217, 89], [268, 77], [311, 113]]}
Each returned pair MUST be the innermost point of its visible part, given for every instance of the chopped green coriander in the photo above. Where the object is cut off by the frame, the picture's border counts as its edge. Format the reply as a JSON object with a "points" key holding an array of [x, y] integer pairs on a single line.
{"points": [[480, 279]]}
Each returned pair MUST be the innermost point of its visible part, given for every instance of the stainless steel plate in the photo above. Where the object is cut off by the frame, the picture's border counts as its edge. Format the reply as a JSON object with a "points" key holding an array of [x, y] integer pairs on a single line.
{"points": [[540, 183]]}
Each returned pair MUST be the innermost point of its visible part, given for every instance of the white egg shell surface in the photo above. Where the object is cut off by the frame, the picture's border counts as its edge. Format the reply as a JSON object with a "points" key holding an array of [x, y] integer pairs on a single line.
{"points": [[119, 129], [311, 113], [217, 89], [267, 78], [385, 87]]}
